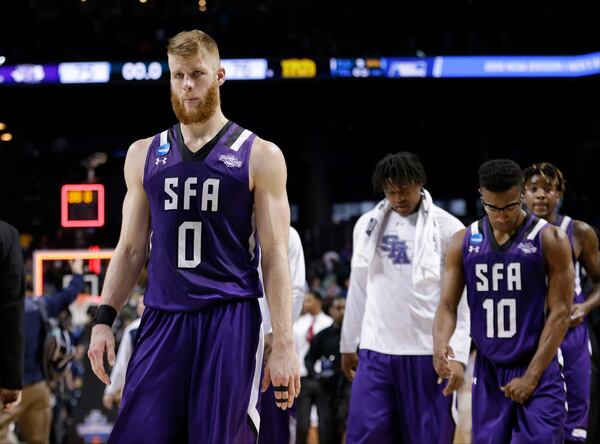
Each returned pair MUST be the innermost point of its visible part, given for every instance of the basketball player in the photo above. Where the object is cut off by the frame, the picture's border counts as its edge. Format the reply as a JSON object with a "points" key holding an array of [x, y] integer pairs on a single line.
{"points": [[397, 263], [275, 423], [544, 188], [200, 195], [519, 278]]}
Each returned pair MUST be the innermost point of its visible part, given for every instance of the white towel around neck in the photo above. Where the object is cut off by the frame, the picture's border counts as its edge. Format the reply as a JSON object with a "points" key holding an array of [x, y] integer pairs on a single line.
{"points": [[426, 268], [427, 255]]}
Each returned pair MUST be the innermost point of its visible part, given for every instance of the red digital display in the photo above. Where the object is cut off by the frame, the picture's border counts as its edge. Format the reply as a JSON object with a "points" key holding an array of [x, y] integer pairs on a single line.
{"points": [[82, 205]]}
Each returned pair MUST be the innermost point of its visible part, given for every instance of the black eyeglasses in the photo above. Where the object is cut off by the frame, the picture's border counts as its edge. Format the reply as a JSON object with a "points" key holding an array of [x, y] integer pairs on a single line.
{"points": [[494, 209]]}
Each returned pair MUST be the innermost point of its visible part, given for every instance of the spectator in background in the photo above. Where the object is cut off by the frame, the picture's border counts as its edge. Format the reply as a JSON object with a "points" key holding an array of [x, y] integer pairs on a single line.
{"points": [[395, 281], [117, 375], [12, 294], [325, 348], [33, 414], [308, 325]]}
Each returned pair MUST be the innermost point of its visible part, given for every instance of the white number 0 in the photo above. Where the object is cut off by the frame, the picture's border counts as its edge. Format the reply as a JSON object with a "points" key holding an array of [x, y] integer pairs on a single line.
{"points": [[182, 261]]}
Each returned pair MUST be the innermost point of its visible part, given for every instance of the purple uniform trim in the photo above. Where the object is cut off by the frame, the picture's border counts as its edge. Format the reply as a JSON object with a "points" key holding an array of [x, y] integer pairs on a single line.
{"points": [[396, 399], [499, 420], [194, 377], [577, 359]]}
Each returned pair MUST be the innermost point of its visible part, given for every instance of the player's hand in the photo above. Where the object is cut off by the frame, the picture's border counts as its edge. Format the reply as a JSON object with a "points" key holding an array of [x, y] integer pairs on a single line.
{"points": [[441, 363], [9, 398], [520, 389], [102, 341], [76, 266], [108, 401], [578, 312], [283, 371], [349, 365], [456, 379]]}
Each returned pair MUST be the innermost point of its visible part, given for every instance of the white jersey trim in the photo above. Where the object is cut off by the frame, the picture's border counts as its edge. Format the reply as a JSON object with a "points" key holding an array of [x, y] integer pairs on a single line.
{"points": [[252, 410], [538, 226], [565, 223], [475, 227], [163, 137], [243, 137]]}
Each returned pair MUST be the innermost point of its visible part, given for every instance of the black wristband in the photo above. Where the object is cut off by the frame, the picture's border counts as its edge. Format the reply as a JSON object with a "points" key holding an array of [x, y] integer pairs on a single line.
{"points": [[105, 315]]}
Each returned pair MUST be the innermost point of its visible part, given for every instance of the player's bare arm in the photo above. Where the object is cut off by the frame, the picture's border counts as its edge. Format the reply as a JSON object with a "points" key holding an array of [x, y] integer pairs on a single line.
{"points": [[129, 256], [588, 254], [268, 181], [444, 322], [561, 278]]}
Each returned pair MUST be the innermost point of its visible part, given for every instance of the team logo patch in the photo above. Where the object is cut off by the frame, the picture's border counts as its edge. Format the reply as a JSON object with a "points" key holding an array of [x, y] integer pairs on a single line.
{"points": [[163, 149], [392, 247], [476, 239], [230, 160], [527, 247]]}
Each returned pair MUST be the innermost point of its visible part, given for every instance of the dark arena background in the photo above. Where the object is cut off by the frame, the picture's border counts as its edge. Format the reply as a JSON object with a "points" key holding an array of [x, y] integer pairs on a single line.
{"points": [[335, 84]]}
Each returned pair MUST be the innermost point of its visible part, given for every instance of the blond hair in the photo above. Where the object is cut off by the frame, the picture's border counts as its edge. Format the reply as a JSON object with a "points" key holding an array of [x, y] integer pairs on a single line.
{"points": [[190, 43]]}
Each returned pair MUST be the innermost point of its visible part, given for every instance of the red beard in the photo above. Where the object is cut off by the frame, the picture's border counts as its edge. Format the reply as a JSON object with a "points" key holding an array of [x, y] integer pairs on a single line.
{"points": [[203, 111]]}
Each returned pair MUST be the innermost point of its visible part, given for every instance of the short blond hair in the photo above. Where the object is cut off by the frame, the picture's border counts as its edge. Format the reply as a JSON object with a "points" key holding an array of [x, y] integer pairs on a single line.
{"points": [[189, 43]]}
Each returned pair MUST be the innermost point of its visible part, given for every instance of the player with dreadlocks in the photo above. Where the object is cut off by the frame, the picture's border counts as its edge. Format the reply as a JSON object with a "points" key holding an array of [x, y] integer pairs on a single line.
{"points": [[544, 189], [395, 280]]}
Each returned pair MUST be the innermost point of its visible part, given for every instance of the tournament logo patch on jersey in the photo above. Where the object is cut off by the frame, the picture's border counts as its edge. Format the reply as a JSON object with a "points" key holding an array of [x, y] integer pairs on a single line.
{"points": [[163, 149], [230, 160], [527, 247], [476, 239]]}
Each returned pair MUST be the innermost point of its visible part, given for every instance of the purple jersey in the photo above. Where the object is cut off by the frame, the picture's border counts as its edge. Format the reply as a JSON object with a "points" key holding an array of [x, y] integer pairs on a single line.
{"points": [[203, 244], [506, 290], [567, 224]]}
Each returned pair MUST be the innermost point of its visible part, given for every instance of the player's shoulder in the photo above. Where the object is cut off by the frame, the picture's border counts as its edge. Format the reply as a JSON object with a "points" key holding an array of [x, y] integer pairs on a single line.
{"points": [[264, 149], [553, 237], [448, 223], [140, 147], [363, 221], [583, 231]]}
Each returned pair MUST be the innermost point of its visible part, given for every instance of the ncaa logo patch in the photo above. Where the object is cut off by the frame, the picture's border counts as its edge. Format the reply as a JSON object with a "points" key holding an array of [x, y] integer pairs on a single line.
{"points": [[163, 149], [476, 239]]}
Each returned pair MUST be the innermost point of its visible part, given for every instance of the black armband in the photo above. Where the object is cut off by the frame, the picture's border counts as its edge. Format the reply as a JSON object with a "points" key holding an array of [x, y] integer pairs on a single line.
{"points": [[106, 315]]}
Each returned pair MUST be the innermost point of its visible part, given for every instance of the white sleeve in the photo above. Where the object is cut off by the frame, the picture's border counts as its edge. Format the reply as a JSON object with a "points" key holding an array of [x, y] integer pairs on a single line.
{"points": [[117, 376], [297, 273], [461, 339], [355, 303], [297, 278]]}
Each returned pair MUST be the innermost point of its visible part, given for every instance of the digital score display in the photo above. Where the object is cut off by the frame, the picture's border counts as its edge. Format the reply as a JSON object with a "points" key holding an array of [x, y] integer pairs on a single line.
{"points": [[82, 205]]}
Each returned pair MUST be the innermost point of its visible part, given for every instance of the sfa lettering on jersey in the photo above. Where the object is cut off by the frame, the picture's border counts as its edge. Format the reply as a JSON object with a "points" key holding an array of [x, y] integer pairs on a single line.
{"points": [[209, 196], [509, 276], [395, 249]]}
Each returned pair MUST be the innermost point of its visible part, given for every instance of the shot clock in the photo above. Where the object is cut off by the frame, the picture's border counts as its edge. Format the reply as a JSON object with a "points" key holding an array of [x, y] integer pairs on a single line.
{"points": [[82, 205]]}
